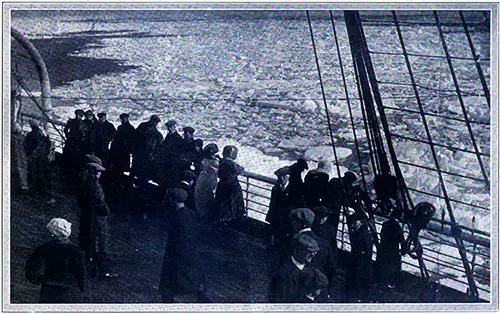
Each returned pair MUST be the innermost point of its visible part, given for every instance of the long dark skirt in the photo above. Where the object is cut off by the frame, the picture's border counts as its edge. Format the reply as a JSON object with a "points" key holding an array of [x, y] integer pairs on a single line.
{"points": [[230, 202]]}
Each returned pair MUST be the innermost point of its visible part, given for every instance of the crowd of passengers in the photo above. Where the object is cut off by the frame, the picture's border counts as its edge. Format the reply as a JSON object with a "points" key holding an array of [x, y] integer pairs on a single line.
{"points": [[199, 185]]}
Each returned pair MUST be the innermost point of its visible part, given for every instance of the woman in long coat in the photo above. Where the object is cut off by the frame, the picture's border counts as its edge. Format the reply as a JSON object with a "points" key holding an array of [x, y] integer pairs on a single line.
{"points": [[58, 266], [229, 195], [279, 206], [204, 191]]}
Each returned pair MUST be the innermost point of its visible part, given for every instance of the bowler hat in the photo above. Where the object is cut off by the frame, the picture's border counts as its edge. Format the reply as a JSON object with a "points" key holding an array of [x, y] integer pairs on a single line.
{"points": [[124, 115], [171, 123]]}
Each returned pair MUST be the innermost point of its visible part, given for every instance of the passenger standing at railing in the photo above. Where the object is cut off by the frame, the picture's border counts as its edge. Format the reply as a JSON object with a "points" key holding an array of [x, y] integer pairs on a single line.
{"points": [[73, 151], [228, 194], [204, 191], [122, 146], [279, 207], [296, 185], [103, 134], [37, 146], [168, 156], [19, 166], [144, 164], [89, 123], [315, 184]]}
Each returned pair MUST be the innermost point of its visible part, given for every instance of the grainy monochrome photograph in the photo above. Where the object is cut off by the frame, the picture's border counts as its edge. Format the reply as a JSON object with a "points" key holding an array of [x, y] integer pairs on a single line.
{"points": [[249, 157]]}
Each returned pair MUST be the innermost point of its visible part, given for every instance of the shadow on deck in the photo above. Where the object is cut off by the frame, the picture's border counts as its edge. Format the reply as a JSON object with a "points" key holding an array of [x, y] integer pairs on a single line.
{"points": [[236, 260]]}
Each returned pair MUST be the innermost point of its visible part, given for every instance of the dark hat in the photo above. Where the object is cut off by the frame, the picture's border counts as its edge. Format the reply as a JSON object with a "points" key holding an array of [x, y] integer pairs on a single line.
{"points": [[88, 158], [282, 171], [79, 111], [171, 123], [322, 210], [302, 163], [350, 176], [155, 118], [94, 167], [210, 150], [188, 129], [303, 215], [305, 241], [101, 114], [188, 175], [178, 195], [88, 112], [124, 115], [198, 142]]}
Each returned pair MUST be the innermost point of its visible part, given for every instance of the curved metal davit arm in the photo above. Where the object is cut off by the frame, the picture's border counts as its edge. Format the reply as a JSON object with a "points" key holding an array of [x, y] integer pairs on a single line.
{"points": [[41, 68]]}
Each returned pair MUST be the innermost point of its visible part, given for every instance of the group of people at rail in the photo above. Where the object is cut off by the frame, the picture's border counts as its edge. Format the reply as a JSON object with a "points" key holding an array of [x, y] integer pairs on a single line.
{"points": [[197, 184]]}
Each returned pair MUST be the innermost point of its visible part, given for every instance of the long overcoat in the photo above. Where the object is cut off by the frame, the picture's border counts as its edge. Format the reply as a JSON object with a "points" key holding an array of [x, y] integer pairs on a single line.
{"points": [[229, 194], [204, 191], [122, 147]]}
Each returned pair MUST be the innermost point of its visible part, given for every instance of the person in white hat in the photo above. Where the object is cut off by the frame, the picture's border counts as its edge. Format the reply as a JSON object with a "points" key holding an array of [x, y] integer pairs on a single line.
{"points": [[58, 266]]}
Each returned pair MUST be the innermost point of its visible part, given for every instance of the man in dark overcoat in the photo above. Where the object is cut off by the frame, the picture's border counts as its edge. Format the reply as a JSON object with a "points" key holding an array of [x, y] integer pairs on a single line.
{"points": [[181, 272], [102, 135], [169, 154], [89, 126], [121, 148], [73, 151], [315, 183], [296, 185]]}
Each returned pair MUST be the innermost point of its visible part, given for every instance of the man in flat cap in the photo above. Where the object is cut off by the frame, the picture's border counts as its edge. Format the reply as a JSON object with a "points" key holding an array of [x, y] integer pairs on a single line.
{"points": [[122, 148], [302, 220], [181, 273], [169, 153], [89, 123], [317, 289], [148, 143], [94, 227], [102, 135], [188, 152], [289, 285], [73, 151]]}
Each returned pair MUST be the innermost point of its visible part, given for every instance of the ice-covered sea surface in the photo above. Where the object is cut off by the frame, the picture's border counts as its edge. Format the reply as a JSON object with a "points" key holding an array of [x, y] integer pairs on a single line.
{"points": [[250, 78]]}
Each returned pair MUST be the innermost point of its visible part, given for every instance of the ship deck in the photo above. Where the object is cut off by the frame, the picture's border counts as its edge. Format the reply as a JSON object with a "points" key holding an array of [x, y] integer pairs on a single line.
{"points": [[237, 259]]}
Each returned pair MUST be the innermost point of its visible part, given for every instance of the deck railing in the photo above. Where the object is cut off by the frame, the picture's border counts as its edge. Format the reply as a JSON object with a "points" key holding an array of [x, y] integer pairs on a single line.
{"points": [[441, 255]]}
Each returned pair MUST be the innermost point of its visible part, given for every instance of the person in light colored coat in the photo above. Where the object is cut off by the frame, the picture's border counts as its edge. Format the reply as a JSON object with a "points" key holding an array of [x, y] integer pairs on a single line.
{"points": [[204, 191]]}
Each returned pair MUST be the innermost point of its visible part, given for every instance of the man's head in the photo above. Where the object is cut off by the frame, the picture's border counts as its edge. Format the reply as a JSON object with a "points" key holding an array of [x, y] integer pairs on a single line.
{"points": [[176, 197], [154, 120], [89, 115], [301, 218], [210, 150], [230, 152], [171, 126], [95, 169], [79, 114], [198, 144], [188, 132], [304, 248], [124, 118], [101, 116], [349, 178], [283, 175]]}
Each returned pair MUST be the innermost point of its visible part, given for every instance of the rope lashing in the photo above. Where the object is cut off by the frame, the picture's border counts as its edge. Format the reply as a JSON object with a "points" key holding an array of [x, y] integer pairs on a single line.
{"points": [[418, 220]]}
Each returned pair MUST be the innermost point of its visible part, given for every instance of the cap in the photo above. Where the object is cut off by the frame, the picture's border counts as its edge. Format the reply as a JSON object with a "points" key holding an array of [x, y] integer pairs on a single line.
{"points": [[282, 171], [101, 114], [307, 242], [88, 158], [304, 215], [198, 142], [351, 176], [322, 210], [178, 195], [210, 150], [188, 129], [155, 118], [95, 167], [171, 123], [59, 228], [89, 112], [124, 115], [79, 111]]}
